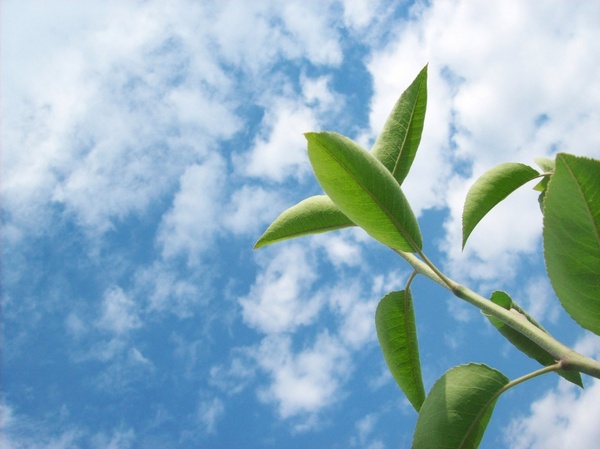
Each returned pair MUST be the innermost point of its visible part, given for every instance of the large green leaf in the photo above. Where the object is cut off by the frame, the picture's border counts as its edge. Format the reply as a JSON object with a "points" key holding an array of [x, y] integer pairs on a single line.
{"points": [[521, 342], [397, 144], [397, 334], [311, 216], [491, 188], [364, 190], [572, 237], [458, 408]]}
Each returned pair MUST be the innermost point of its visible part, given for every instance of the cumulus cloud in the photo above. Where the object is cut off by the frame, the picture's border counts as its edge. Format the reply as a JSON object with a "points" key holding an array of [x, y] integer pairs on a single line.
{"points": [[115, 121], [250, 208], [256, 35], [355, 310], [281, 299], [281, 151], [303, 382], [341, 248], [497, 93], [187, 229]]}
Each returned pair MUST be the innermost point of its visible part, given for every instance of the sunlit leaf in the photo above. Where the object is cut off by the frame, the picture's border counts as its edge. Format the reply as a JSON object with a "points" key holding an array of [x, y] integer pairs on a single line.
{"points": [[313, 215], [397, 144], [491, 188], [397, 334], [572, 237], [521, 342], [458, 408], [364, 190]]}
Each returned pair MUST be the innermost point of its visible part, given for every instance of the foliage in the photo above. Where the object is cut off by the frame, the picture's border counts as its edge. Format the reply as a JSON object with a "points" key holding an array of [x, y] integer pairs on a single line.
{"points": [[365, 189]]}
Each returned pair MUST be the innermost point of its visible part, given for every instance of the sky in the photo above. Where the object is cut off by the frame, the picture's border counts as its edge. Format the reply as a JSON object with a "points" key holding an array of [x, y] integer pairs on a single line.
{"points": [[146, 145]]}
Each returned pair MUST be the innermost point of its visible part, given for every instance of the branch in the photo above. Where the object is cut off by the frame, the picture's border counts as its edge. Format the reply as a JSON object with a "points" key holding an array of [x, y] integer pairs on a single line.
{"points": [[568, 358]]}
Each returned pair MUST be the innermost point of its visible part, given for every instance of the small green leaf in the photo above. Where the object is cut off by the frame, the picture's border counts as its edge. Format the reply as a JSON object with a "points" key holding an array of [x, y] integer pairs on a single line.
{"points": [[458, 408], [521, 342], [491, 188], [364, 190], [397, 144], [313, 215], [397, 334], [543, 184], [545, 163], [572, 237]]}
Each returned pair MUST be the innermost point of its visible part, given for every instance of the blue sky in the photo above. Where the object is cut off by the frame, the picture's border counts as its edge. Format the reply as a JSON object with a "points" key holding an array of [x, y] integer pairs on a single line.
{"points": [[146, 145]]}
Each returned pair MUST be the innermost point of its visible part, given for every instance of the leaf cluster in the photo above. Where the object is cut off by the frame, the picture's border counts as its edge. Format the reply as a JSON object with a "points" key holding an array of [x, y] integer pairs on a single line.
{"points": [[364, 188]]}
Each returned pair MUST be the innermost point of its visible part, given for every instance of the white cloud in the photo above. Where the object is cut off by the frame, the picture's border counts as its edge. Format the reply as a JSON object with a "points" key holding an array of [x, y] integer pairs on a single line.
{"points": [[494, 71], [113, 122], [209, 412], [319, 95], [251, 208], [364, 429], [119, 313], [281, 299], [310, 24], [563, 418], [539, 300], [341, 248], [566, 416], [166, 290], [356, 313], [359, 14], [281, 151], [255, 35], [188, 228], [18, 431], [305, 382]]}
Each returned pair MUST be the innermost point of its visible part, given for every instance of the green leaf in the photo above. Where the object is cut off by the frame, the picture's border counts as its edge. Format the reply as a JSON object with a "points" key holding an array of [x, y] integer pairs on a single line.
{"points": [[458, 408], [397, 334], [545, 163], [364, 190], [491, 188], [521, 342], [543, 184], [572, 237], [313, 215], [397, 144]]}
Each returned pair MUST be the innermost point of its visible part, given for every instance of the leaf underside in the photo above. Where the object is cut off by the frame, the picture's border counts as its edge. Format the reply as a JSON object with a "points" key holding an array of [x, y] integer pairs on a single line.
{"points": [[397, 144], [364, 190], [572, 237], [397, 335], [313, 215], [521, 342], [491, 188], [458, 408]]}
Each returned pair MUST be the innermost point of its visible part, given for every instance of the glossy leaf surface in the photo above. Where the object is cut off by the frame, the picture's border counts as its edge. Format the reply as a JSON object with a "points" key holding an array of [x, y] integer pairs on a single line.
{"points": [[397, 335], [313, 215], [397, 144], [491, 188], [364, 190], [521, 342], [458, 408], [572, 237]]}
